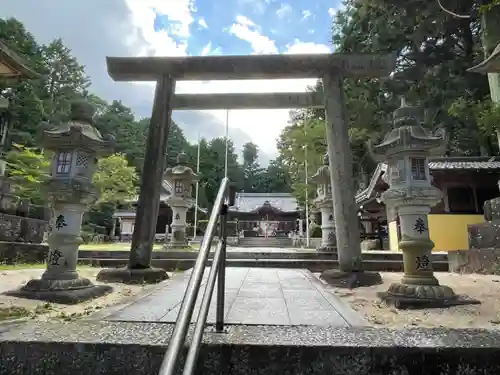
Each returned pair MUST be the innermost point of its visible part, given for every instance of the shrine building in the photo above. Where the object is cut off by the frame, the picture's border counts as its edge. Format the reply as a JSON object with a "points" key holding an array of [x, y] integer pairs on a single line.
{"points": [[466, 183], [265, 214]]}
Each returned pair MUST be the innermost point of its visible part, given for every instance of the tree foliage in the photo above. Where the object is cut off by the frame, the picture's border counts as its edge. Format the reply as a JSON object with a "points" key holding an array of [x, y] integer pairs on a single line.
{"points": [[27, 169], [115, 179]]}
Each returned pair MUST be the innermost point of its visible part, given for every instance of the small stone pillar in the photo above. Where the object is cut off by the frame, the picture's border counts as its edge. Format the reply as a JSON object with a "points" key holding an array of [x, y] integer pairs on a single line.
{"points": [[182, 179], [325, 205], [76, 145], [406, 149], [4, 132]]}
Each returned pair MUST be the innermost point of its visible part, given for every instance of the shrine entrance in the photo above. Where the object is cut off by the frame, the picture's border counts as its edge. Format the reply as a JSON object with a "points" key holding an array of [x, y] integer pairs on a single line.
{"points": [[331, 68], [266, 221]]}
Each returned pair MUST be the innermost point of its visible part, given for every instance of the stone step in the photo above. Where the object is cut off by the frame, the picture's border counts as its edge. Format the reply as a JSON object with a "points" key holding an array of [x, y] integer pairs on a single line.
{"points": [[314, 265], [117, 348], [368, 255], [265, 242]]}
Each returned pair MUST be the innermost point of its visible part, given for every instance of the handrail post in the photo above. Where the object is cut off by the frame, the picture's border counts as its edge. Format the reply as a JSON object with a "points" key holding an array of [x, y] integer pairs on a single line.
{"points": [[221, 278]]}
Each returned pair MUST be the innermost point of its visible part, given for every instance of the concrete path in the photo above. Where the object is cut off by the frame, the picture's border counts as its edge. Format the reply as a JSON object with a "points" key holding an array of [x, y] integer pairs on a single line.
{"points": [[256, 296]]}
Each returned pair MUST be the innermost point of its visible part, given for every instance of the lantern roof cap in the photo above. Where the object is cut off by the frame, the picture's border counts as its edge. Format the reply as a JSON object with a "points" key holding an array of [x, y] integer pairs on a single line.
{"points": [[78, 132], [181, 171], [408, 134]]}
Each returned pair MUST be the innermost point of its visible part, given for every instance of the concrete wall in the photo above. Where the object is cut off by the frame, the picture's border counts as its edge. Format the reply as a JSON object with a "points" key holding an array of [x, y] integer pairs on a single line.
{"points": [[17, 252], [447, 231]]}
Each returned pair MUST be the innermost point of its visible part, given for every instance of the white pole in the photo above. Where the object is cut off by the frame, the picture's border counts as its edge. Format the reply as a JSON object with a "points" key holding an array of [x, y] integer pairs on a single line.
{"points": [[307, 198], [227, 142], [307, 188], [197, 190]]}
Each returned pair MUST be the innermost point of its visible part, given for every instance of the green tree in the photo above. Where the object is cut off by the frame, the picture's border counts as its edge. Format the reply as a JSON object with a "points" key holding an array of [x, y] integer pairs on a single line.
{"points": [[28, 168], [26, 108], [63, 78], [212, 167], [294, 143], [115, 179], [434, 51], [251, 169], [117, 119], [116, 182], [275, 178]]}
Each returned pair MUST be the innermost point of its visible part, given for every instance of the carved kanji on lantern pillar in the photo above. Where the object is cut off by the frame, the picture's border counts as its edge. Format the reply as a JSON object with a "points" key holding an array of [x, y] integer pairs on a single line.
{"points": [[181, 179], [406, 149], [324, 202], [76, 145]]}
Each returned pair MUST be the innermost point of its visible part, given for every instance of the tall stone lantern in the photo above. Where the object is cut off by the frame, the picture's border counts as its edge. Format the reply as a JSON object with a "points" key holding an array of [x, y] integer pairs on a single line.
{"points": [[325, 204], [182, 179], [76, 144], [406, 149]]}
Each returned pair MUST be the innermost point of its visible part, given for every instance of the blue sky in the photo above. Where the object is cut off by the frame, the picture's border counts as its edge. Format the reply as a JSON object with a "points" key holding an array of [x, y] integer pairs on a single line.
{"points": [[282, 22]]}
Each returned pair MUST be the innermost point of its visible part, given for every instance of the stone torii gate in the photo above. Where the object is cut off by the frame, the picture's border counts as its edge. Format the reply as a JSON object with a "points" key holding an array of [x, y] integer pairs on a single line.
{"points": [[331, 68]]}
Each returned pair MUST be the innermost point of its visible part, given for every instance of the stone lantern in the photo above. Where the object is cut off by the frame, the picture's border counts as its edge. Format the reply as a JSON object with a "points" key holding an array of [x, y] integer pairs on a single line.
{"points": [[406, 149], [182, 179], [325, 205], [76, 144]]}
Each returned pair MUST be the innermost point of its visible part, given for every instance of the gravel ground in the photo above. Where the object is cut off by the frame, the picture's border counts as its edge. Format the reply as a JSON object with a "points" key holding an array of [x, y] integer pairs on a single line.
{"points": [[484, 288], [12, 307]]}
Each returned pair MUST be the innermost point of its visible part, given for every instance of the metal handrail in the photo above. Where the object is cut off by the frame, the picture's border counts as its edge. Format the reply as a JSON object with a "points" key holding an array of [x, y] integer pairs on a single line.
{"points": [[176, 344]]}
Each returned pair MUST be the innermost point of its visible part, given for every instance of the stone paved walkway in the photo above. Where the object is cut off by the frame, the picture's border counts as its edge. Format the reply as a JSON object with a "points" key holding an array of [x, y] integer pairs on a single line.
{"points": [[260, 296]]}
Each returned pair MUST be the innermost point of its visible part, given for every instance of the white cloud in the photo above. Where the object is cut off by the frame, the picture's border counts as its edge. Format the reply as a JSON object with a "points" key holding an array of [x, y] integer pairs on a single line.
{"points": [[202, 23], [246, 30], [284, 10], [206, 50], [299, 47], [209, 50], [179, 12], [245, 21], [332, 12], [306, 14], [161, 43]]}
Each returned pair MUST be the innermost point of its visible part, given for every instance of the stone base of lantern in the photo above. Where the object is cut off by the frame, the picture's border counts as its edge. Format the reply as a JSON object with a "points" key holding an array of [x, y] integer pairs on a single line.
{"points": [[128, 275], [407, 296], [327, 249], [68, 292], [351, 280]]}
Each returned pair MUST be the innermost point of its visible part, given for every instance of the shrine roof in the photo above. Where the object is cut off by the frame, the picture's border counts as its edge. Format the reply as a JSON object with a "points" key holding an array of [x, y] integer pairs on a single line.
{"points": [[464, 163], [443, 163], [248, 202], [15, 62]]}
